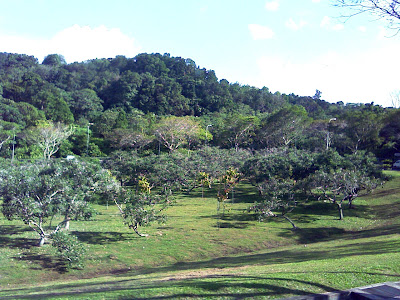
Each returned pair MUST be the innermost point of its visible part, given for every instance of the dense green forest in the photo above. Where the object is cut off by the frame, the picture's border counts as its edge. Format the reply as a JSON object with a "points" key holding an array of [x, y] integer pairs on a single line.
{"points": [[155, 103]]}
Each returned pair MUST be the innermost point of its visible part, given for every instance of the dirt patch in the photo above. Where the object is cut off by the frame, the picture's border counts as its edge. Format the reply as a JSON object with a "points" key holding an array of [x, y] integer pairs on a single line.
{"points": [[205, 273]]}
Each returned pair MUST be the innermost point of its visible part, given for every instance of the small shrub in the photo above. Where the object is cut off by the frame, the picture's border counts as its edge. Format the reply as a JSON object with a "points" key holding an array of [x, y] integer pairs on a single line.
{"points": [[70, 250]]}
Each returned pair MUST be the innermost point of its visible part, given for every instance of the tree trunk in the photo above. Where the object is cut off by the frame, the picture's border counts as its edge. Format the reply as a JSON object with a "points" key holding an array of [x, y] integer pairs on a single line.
{"points": [[66, 225], [42, 240], [290, 221], [351, 204], [339, 205], [135, 229]]}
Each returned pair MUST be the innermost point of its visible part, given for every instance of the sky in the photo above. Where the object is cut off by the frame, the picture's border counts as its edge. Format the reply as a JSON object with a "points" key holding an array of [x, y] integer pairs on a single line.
{"points": [[289, 46]]}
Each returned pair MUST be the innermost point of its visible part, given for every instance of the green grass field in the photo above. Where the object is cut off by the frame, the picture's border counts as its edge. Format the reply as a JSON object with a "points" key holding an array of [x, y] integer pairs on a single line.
{"points": [[195, 254]]}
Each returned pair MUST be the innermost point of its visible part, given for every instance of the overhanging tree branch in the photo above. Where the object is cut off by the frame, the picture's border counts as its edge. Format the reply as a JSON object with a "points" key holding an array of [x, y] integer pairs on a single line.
{"points": [[389, 10]]}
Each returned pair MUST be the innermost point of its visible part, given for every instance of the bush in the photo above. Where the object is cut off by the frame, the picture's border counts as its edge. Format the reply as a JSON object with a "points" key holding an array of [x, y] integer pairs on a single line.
{"points": [[70, 250]]}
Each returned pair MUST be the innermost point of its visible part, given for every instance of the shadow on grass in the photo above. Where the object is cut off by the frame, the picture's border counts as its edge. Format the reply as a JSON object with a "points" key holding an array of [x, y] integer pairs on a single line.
{"points": [[42, 261], [322, 234], [237, 225], [321, 208], [239, 216], [208, 286], [238, 219], [101, 238], [245, 194], [314, 235], [8, 239], [386, 211], [199, 286], [382, 193], [300, 254], [374, 232]]}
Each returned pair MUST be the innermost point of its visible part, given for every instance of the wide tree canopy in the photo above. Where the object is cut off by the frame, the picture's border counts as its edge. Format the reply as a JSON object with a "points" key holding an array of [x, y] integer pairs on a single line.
{"points": [[35, 192]]}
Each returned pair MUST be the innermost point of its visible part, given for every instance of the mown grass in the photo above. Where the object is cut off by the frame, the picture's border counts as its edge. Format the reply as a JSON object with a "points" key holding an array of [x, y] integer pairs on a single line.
{"points": [[198, 254]]}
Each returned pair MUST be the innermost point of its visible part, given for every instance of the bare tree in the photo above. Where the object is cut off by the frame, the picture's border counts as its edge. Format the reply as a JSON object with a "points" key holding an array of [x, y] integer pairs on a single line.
{"points": [[5, 135], [174, 132], [3, 140], [49, 137], [395, 97], [388, 10]]}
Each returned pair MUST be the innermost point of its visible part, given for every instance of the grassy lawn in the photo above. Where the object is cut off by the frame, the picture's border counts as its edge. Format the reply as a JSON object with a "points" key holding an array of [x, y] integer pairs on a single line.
{"points": [[198, 254]]}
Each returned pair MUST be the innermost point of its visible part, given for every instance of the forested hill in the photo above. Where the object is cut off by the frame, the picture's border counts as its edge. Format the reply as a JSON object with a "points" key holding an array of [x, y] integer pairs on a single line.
{"points": [[155, 83], [136, 94]]}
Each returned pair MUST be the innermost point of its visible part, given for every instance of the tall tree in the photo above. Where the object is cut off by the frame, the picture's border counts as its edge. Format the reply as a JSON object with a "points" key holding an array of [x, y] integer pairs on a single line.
{"points": [[283, 127], [237, 130], [85, 104], [362, 129], [54, 60]]}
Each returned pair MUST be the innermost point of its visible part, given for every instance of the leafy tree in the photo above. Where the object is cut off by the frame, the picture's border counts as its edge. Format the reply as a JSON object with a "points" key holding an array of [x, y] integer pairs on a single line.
{"points": [[52, 101], [124, 139], [123, 92], [260, 100], [30, 114], [237, 130], [85, 104], [141, 208], [277, 175], [315, 136], [82, 143], [105, 123], [283, 127], [390, 134], [278, 195], [280, 163], [148, 63], [145, 98], [26, 88], [9, 112], [174, 171], [39, 191], [204, 179], [121, 121], [340, 186], [365, 162], [169, 99], [216, 161], [362, 129], [227, 183], [54, 60], [171, 172]]}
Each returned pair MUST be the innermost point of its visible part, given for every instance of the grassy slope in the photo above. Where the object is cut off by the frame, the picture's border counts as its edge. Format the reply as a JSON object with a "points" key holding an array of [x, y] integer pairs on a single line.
{"points": [[194, 254]]}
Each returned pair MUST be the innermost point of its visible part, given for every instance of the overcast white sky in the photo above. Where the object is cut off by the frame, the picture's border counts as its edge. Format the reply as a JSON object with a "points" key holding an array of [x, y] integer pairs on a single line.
{"points": [[289, 46]]}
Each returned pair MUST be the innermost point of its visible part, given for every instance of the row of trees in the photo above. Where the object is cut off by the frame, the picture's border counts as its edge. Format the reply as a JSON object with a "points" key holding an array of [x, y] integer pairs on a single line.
{"points": [[61, 190], [366, 128]]}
